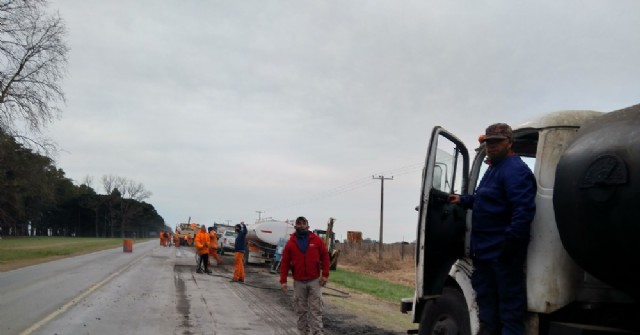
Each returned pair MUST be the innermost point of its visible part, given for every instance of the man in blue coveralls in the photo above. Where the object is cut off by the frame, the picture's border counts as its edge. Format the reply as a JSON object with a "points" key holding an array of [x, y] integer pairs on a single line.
{"points": [[503, 207]]}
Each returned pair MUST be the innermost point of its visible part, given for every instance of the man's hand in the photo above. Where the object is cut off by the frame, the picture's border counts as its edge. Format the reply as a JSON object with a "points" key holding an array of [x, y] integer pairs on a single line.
{"points": [[323, 281], [284, 288], [454, 198]]}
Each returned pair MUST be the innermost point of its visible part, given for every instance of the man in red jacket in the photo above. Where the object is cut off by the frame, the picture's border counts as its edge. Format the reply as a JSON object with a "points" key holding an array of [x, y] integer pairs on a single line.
{"points": [[306, 254]]}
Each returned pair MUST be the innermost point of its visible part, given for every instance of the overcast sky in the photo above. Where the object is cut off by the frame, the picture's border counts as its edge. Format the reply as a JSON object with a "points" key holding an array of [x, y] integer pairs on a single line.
{"points": [[226, 108]]}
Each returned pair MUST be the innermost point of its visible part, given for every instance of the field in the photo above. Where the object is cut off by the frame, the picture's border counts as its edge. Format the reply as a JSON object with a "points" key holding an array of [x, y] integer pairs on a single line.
{"points": [[396, 265], [19, 252]]}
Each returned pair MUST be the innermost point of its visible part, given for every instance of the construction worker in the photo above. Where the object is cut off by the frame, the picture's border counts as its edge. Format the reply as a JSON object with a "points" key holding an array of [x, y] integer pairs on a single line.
{"points": [[202, 242], [176, 239], [241, 234], [165, 241], [187, 239], [213, 246]]}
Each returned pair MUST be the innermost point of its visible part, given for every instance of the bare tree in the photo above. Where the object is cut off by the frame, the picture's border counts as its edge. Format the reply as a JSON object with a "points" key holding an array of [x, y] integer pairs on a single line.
{"points": [[128, 190], [137, 191], [33, 59], [87, 181], [108, 183]]}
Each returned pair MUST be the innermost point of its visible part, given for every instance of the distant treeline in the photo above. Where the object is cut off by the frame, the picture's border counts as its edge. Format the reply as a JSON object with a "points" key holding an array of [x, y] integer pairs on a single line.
{"points": [[37, 199]]}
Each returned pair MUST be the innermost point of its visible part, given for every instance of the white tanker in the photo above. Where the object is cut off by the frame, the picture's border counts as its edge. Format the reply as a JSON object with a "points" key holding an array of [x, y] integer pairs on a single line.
{"points": [[263, 238]]}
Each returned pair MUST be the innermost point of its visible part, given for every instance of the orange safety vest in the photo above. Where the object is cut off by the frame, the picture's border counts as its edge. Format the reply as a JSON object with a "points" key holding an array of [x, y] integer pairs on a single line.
{"points": [[202, 242]]}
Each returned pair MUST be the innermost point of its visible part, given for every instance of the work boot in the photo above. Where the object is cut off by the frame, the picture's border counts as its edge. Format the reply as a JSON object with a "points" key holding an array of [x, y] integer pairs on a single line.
{"points": [[208, 271], [199, 270]]}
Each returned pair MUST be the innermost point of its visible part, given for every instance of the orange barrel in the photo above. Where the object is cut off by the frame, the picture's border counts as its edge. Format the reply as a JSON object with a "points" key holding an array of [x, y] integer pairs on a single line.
{"points": [[127, 245]]}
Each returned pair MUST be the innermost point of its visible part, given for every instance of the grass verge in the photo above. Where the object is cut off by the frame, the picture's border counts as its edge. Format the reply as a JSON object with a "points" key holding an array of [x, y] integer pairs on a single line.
{"points": [[23, 251], [373, 300], [375, 287]]}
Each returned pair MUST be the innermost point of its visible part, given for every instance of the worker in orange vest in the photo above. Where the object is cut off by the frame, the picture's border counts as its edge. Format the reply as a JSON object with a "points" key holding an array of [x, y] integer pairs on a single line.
{"points": [[213, 246], [202, 242], [187, 239], [176, 239]]}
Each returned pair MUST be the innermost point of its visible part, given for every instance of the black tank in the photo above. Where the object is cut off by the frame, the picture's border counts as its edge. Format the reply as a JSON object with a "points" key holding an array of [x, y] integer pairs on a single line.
{"points": [[596, 199]]}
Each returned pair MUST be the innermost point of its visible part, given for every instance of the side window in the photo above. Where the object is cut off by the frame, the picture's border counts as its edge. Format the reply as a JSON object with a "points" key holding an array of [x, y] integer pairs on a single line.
{"points": [[448, 170], [530, 161]]}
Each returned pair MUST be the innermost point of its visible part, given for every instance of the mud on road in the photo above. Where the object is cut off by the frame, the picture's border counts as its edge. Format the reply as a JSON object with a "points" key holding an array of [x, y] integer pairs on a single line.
{"points": [[345, 313]]}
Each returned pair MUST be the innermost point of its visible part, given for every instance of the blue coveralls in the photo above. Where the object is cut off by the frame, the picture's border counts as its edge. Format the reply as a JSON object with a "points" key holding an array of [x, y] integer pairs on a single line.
{"points": [[503, 209]]}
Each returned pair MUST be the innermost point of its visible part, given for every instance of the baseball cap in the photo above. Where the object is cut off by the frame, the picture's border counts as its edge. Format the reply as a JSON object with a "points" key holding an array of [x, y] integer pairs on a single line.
{"points": [[498, 131]]}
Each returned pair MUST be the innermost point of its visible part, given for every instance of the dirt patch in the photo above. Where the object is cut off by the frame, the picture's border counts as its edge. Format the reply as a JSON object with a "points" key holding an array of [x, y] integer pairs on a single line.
{"points": [[362, 314], [347, 311]]}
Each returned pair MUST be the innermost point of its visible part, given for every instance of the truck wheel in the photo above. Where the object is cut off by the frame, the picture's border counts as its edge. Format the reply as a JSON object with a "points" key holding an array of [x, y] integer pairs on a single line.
{"points": [[445, 315]]}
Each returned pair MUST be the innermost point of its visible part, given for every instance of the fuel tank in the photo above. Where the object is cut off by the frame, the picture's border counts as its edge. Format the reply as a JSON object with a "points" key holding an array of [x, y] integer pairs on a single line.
{"points": [[596, 199]]}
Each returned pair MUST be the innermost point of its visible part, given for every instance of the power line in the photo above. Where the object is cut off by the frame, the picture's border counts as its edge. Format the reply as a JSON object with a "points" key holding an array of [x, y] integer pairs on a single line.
{"points": [[351, 186]]}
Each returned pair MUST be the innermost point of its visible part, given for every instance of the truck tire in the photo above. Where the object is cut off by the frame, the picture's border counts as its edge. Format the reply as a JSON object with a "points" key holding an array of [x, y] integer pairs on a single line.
{"points": [[446, 314]]}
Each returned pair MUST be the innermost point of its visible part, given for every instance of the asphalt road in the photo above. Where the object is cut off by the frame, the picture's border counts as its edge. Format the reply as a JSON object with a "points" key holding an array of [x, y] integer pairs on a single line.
{"points": [[152, 290]]}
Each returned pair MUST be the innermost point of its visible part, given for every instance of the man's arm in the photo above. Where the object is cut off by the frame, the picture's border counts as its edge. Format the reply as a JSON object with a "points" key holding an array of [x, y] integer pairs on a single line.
{"points": [[324, 261], [284, 267], [521, 191]]}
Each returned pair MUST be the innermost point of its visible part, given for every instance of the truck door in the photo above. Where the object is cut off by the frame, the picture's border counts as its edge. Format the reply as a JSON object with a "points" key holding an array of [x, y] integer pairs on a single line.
{"points": [[441, 225]]}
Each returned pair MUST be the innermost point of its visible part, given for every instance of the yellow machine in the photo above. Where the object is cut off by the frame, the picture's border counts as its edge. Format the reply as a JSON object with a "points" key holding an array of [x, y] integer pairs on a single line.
{"points": [[328, 237]]}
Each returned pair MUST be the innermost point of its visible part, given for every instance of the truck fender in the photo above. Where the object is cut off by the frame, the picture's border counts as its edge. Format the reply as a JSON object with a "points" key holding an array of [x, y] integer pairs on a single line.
{"points": [[461, 273]]}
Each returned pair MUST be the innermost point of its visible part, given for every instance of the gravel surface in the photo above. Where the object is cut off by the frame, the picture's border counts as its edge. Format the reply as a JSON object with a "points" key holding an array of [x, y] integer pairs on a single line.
{"points": [[344, 313]]}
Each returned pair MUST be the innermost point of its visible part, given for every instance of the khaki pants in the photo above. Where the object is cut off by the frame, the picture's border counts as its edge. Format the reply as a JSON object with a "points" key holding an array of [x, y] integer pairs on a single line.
{"points": [[307, 302]]}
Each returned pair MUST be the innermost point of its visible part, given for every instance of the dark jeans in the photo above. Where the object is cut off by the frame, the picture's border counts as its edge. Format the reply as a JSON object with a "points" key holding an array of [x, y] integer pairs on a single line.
{"points": [[501, 295], [204, 261]]}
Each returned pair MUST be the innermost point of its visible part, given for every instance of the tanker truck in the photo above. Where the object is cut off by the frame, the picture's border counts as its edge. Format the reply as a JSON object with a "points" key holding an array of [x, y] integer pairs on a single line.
{"points": [[582, 256], [263, 238]]}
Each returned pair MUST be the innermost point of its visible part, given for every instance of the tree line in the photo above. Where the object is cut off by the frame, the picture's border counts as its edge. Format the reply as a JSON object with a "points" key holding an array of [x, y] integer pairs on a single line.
{"points": [[35, 196], [37, 199]]}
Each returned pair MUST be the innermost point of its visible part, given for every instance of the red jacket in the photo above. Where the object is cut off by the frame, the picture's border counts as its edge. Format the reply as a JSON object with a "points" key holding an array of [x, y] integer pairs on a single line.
{"points": [[305, 266]]}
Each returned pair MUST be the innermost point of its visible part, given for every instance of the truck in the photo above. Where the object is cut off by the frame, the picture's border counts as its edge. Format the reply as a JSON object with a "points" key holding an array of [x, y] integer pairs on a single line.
{"points": [[263, 238], [582, 255], [184, 229]]}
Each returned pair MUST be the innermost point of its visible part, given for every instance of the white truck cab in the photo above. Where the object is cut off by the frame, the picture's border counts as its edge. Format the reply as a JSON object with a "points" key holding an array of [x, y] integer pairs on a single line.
{"points": [[562, 296]]}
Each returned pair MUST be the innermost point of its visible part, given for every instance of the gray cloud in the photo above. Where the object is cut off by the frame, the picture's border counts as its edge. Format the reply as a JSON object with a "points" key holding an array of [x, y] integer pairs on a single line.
{"points": [[223, 108]]}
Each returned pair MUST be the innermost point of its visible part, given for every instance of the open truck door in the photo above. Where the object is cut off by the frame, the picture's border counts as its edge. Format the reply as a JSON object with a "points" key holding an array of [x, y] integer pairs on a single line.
{"points": [[441, 230]]}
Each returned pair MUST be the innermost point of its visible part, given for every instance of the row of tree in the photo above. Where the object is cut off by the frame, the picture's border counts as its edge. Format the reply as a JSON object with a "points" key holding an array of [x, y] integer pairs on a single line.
{"points": [[35, 196], [37, 199]]}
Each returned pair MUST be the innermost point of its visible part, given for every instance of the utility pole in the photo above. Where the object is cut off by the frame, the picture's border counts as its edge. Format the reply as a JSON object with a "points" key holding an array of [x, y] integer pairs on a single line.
{"points": [[259, 214], [382, 179]]}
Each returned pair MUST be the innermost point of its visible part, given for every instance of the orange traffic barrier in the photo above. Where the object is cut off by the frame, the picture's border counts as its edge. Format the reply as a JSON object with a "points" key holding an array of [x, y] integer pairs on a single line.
{"points": [[127, 246]]}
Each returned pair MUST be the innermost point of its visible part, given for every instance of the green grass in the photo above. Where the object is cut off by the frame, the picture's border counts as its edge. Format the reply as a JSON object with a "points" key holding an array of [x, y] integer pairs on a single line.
{"points": [[15, 252], [370, 285]]}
